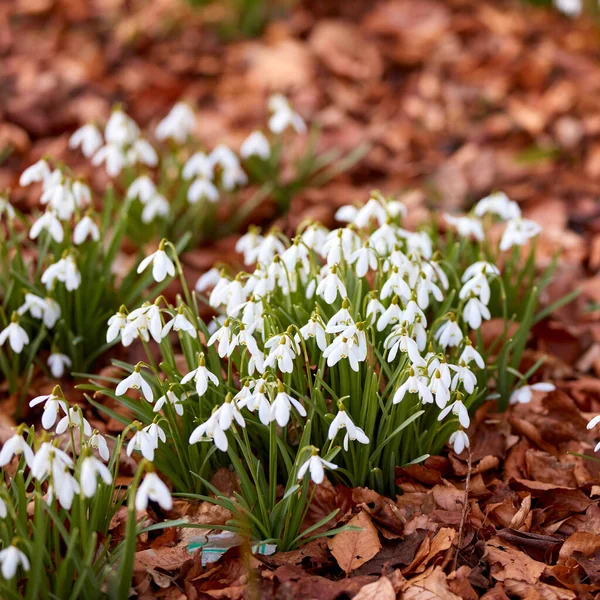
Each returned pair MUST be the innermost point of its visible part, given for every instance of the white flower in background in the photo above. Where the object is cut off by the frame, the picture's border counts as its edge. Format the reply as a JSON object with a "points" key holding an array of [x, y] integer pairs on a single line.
{"points": [[466, 226], [524, 394], [571, 8], [256, 144], [113, 157], [10, 559], [121, 129], [98, 442], [88, 137], [458, 410], [179, 323], [343, 421], [463, 375], [162, 265], [474, 312], [282, 351], [177, 125], [41, 308], [153, 488], [498, 204], [330, 286], [65, 271], [593, 422], [314, 329], [7, 207], [81, 193], [232, 173], [364, 259], [60, 198], [86, 228], [142, 188], [172, 399], [17, 337], [202, 188], [470, 354], [208, 280], [48, 222], [283, 116], [135, 381], [116, 324], [142, 151], [228, 412], [479, 286], [91, 467], [200, 166], [201, 376], [459, 440], [280, 409], [57, 363], [145, 441], [399, 340], [157, 206], [210, 430], [227, 340], [518, 232], [74, 418], [39, 171], [53, 403], [3, 509], [316, 466], [15, 446]]}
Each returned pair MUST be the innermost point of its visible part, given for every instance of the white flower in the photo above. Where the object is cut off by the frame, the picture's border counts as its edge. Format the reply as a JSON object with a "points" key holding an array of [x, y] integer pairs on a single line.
{"points": [[346, 214], [142, 151], [81, 193], [15, 446], [162, 265], [52, 403], [10, 559], [97, 441], [153, 488], [470, 354], [415, 384], [439, 387], [400, 340], [144, 440], [460, 441], [65, 271], [208, 279], [172, 399], [593, 422], [465, 376], [84, 229], [39, 171], [363, 260], [202, 188], [256, 144], [518, 232], [459, 410], [3, 509], [342, 347], [284, 116], [478, 268], [179, 323], [142, 188], [157, 206], [474, 312], [17, 337], [343, 421], [280, 409], [48, 222], [466, 226], [226, 338], [88, 137], [121, 129], [135, 381], [91, 467], [283, 351], [499, 204], [6, 207], [523, 394], [210, 429], [48, 459], [330, 286], [115, 324], [57, 363], [314, 329], [316, 465], [571, 8], [177, 125], [199, 165], [449, 334], [201, 375], [113, 156], [41, 308], [74, 418]]}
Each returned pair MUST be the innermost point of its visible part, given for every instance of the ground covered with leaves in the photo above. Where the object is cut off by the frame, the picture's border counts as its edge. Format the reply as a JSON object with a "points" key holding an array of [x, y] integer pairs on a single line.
{"points": [[456, 99]]}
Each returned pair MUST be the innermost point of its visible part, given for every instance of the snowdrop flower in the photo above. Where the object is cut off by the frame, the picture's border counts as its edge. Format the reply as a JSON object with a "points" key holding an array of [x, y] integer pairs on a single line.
{"points": [[232, 173], [81, 193], [86, 228], [314, 329], [113, 157], [121, 129], [466, 226], [50, 459], [227, 412], [39, 171], [523, 394], [330, 286], [202, 188], [116, 324], [58, 363], [280, 409], [474, 312], [199, 165], [144, 440], [177, 125], [593, 422], [162, 265], [283, 351], [498, 204], [459, 410], [52, 404], [172, 399], [465, 376], [374, 307], [208, 279], [346, 214], [88, 137], [284, 116], [399, 340], [48, 222], [363, 260], [256, 144], [201, 376], [65, 271], [210, 430], [518, 232], [98, 442], [41, 308], [227, 340], [316, 466], [439, 388], [415, 384], [449, 334], [17, 337], [153, 488], [3, 509], [459, 440], [395, 285], [157, 206], [479, 268], [135, 381], [7, 207], [391, 315], [470, 354], [15, 446], [179, 323], [142, 188], [141, 321], [74, 418], [91, 467], [10, 559], [571, 8], [343, 421]]}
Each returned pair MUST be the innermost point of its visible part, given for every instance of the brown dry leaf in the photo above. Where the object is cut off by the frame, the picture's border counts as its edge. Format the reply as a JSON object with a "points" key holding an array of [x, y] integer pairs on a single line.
{"points": [[587, 544], [506, 562], [432, 585], [379, 590], [351, 549]]}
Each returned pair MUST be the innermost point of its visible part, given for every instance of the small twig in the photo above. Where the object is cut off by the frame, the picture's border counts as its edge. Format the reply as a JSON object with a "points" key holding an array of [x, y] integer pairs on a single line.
{"points": [[465, 509]]}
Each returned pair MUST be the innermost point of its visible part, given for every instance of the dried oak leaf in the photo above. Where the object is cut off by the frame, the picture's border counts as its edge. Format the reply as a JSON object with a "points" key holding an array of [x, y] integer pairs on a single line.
{"points": [[351, 549], [508, 563], [378, 590], [431, 585]]}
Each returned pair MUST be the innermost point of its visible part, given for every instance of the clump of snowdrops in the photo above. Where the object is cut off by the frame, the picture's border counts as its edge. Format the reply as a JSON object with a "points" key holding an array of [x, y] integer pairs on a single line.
{"points": [[181, 186], [346, 352], [57, 499]]}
